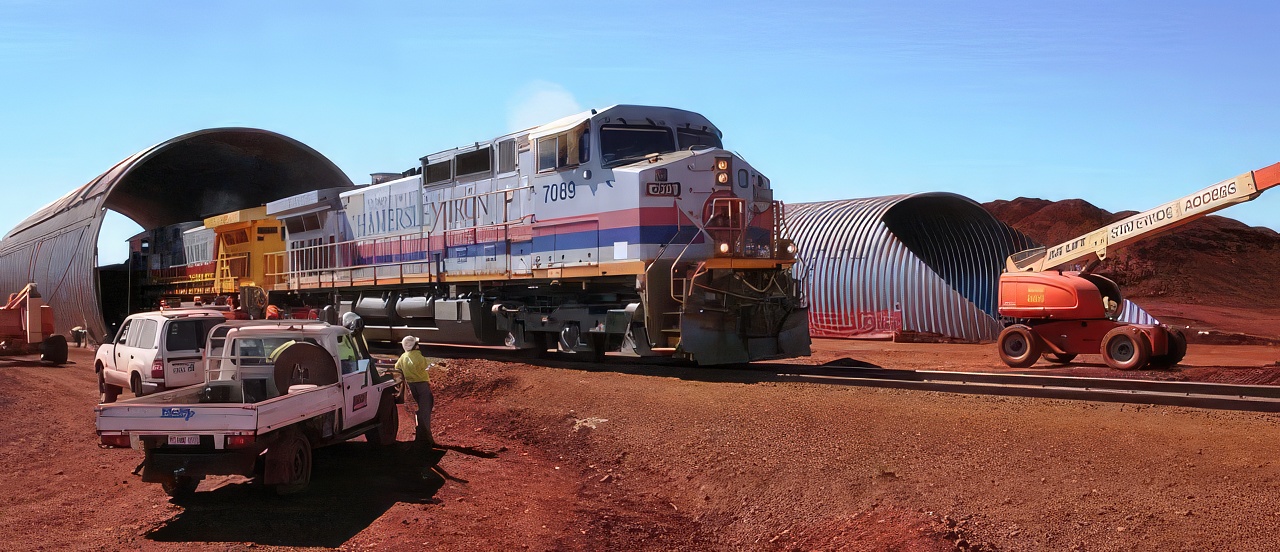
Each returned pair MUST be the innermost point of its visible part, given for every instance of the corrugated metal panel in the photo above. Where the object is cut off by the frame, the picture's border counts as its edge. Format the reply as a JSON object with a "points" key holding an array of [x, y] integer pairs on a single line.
{"points": [[183, 179], [924, 263]]}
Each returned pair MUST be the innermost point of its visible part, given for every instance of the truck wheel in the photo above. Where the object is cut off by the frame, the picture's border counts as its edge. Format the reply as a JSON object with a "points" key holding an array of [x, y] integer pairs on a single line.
{"points": [[1019, 346], [294, 461], [135, 384], [180, 486], [1125, 348], [1060, 359], [388, 423], [109, 393], [54, 350]]}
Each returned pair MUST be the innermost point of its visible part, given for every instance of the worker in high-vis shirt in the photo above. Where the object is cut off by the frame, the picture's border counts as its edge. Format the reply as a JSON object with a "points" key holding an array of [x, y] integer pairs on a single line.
{"points": [[416, 368]]}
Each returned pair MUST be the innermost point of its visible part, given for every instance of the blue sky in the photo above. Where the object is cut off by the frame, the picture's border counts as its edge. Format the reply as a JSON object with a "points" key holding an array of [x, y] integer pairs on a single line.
{"points": [[1125, 105]]}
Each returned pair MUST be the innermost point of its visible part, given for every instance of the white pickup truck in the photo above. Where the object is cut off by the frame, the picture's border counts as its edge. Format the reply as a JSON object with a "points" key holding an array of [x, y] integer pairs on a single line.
{"points": [[272, 392]]}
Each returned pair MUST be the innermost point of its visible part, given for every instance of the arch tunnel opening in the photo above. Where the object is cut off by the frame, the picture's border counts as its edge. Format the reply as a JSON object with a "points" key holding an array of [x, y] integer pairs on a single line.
{"points": [[958, 240], [183, 180]]}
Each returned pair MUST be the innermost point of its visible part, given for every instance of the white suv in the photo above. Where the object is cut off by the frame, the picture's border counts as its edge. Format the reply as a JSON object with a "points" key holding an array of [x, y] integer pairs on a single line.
{"points": [[154, 351]]}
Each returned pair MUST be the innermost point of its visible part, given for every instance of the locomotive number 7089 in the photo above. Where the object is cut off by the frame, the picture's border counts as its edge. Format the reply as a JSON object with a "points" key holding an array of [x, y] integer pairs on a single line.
{"points": [[562, 191]]}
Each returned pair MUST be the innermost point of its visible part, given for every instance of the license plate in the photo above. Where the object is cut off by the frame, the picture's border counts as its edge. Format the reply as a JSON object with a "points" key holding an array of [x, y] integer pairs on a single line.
{"points": [[184, 367], [184, 439]]}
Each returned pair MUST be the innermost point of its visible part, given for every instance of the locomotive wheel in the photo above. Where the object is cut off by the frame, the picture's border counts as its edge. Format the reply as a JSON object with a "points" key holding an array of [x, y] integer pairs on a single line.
{"points": [[1177, 350], [54, 350], [1019, 346], [1125, 348], [1060, 358], [388, 423]]}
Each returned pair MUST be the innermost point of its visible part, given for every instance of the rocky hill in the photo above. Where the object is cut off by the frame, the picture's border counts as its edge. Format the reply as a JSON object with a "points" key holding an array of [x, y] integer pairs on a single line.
{"points": [[1212, 262]]}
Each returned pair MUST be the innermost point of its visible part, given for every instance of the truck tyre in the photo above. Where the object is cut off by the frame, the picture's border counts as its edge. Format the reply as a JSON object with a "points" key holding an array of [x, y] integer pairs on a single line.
{"points": [[293, 460], [1060, 358], [1019, 346], [180, 486], [1125, 348], [54, 350], [388, 423], [135, 384], [109, 393]]}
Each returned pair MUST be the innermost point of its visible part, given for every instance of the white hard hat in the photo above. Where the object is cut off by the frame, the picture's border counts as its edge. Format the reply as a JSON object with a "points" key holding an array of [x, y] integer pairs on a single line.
{"points": [[409, 342]]}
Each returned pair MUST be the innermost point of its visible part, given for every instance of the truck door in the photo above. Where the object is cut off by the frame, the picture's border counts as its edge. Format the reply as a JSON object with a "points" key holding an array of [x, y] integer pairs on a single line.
{"points": [[183, 351], [116, 372], [357, 388]]}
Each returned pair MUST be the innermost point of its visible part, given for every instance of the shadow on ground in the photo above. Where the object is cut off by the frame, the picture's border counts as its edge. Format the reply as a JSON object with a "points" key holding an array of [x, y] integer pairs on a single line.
{"points": [[352, 484]]}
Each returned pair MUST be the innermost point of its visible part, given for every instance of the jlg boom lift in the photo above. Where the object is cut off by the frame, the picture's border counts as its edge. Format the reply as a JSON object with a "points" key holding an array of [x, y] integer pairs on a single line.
{"points": [[1064, 313]]}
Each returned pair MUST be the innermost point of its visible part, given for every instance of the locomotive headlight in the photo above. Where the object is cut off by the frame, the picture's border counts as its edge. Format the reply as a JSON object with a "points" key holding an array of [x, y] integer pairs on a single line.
{"points": [[786, 249], [724, 248], [723, 166]]}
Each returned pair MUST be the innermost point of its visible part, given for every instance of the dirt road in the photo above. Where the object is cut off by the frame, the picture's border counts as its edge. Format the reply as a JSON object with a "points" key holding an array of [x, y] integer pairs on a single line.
{"points": [[617, 457]]}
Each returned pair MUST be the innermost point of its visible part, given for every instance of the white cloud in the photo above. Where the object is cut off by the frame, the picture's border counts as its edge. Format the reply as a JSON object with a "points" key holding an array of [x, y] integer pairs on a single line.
{"points": [[540, 102]]}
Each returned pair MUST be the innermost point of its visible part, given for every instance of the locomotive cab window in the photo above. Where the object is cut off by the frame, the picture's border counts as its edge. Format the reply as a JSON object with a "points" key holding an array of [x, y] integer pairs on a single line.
{"points": [[622, 144], [566, 149], [697, 138]]}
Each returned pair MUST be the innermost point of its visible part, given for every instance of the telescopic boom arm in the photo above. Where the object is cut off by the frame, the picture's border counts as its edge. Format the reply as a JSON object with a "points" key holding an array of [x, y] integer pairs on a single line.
{"points": [[1146, 224]]}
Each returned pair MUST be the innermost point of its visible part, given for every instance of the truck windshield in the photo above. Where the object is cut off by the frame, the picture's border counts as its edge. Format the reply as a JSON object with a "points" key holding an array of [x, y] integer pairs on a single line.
{"points": [[622, 144]]}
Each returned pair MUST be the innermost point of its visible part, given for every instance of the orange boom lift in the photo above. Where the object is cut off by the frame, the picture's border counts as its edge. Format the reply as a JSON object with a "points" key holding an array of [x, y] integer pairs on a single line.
{"points": [[26, 327], [1065, 313]]}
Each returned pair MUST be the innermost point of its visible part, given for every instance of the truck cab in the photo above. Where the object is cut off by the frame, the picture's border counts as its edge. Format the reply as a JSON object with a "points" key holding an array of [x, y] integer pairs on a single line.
{"points": [[155, 351]]}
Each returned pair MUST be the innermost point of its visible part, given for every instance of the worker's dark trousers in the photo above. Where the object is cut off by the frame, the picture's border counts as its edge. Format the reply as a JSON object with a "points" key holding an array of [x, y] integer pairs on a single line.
{"points": [[422, 395]]}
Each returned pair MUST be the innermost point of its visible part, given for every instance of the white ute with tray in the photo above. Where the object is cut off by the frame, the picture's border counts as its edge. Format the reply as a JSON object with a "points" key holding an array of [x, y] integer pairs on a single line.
{"points": [[272, 392]]}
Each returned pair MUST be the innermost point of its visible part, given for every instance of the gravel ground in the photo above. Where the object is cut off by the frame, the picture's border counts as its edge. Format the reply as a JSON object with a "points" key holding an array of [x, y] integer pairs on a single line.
{"points": [[618, 456]]}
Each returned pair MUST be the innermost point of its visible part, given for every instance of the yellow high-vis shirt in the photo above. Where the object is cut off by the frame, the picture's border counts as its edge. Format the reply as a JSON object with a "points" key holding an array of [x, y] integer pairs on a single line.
{"points": [[414, 366]]}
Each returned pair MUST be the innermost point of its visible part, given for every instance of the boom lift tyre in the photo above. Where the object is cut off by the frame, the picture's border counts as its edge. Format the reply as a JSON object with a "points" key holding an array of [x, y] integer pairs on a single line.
{"points": [[53, 350], [1177, 350], [1019, 346], [1123, 348]]}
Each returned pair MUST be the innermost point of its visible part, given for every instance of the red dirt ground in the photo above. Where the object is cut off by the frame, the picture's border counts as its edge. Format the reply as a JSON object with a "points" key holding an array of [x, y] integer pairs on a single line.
{"points": [[620, 457]]}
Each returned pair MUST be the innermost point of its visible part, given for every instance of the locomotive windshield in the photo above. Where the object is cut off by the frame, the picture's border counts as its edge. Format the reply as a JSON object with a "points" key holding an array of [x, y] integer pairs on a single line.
{"points": [[695, 137], [622, 144]]}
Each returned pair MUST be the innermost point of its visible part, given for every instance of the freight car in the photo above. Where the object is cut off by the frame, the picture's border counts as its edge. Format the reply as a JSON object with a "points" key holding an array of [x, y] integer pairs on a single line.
{"points": [[627, 229]]}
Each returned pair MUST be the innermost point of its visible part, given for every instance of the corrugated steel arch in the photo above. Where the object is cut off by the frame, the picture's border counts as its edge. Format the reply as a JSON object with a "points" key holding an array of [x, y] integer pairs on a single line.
{"points": [[186, 178], [926, 263]]}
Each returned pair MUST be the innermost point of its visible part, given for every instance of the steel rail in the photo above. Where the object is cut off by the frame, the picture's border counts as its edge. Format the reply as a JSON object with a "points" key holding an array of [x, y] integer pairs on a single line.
{"points": [[1220, 396]]}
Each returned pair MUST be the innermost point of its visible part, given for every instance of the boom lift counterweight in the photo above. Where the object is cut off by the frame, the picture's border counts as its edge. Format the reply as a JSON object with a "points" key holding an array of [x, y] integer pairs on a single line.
{"points": [[1070, 312]]}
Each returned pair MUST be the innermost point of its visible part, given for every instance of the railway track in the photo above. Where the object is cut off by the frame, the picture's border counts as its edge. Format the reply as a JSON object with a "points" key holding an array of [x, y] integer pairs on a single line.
{"points": [[1252, 398], [1218, 396]]}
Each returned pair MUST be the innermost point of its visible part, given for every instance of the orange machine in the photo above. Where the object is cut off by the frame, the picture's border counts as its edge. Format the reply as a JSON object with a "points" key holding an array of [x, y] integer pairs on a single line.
{"points": [[1064, 313], [26, 327]]}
